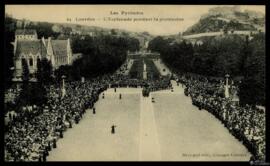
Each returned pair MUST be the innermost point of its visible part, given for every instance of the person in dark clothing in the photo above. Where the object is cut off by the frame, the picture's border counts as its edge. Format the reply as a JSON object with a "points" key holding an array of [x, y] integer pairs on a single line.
{"points": [[252, 158], [46, 150], [44, 156], [113, 129], [10, 117], [94, 110], [61, 134], [39, 158], [103, 96], [120, 96], [80, 115], [70, 124], [114, 89], [186, 91], [49, 146], [54, 143], [77, 119]]}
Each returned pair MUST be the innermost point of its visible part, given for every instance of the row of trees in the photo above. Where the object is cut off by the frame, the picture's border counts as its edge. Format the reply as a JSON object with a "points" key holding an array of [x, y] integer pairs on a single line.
{"points": [[10, 27], [152, 71], [232, 54], [136, 70], [34, 93], [100, 55]]}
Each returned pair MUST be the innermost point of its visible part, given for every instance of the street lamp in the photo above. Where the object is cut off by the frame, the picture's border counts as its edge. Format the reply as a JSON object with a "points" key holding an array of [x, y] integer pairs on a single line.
{"points": [[227, 86], [12, 69], [63, 86], [82, 79]]}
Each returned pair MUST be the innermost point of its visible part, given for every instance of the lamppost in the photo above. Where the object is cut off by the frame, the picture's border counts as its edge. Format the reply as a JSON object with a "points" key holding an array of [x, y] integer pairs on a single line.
{"points": [[12, 69], [63, 86], [227, 95], [82, 79]]}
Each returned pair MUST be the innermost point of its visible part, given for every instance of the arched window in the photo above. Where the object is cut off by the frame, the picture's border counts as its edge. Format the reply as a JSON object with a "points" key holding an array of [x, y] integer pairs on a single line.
{"points": [[31, 62]]}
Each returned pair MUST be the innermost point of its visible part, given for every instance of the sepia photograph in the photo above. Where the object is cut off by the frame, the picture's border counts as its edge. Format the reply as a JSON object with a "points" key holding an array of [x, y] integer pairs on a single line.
{"points": [[134, 83]]}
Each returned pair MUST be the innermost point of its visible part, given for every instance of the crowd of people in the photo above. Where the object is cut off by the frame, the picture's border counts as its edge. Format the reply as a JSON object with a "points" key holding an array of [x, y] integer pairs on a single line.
{"points": [[35, 130], [152, 85], [246, 123], [11, 94]]}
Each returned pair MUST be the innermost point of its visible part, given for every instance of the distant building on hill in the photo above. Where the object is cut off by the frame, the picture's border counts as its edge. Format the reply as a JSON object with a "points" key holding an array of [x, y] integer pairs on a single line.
{"points": [[25, 34], [27, 46]]}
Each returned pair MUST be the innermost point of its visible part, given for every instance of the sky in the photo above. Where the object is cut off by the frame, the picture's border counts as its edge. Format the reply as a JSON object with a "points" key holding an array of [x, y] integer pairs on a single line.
{"points": [[181, 16]]}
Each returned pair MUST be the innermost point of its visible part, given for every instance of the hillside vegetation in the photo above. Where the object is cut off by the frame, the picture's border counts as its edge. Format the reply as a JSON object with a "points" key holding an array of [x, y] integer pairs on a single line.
{"points": [[226, 19]]}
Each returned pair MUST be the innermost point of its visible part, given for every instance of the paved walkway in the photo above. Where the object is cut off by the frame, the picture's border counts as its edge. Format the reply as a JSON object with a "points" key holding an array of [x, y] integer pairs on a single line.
{"points": [[171, 129], [161, 66], [149, 145]]}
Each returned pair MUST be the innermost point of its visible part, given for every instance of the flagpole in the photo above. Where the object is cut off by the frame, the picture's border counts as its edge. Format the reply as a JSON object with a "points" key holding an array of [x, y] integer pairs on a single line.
{"points": [[227, 86]]}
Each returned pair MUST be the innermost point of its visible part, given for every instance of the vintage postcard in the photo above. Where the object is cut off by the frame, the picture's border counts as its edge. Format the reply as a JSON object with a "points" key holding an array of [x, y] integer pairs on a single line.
{"points": [[134, 83]]}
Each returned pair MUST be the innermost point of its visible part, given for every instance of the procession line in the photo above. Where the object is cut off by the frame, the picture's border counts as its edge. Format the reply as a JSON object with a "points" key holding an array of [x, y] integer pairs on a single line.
{"points": [[141, 128], [148, 125], [155, 129]]}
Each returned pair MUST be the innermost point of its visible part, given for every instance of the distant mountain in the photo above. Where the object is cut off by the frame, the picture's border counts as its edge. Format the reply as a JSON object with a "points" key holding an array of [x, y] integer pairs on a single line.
{"points": [[226, 19]]}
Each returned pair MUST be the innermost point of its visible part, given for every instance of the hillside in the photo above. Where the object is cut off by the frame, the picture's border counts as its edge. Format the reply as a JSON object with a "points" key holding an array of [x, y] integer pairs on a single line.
{"points": [[226, 19], [63, 30]]}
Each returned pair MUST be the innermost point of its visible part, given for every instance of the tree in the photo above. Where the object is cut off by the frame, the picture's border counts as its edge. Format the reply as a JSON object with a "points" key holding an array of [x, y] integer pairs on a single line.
{"points": [[217, 56], [133, 44], [100, 55], [113, 32], [32, 94], [44, 71], [35, 93], [39, 70], [66, 30], [157, 44], [252, 89], [25, 72], [25, 93], [9, 36], [57, 28], [64, 70]]}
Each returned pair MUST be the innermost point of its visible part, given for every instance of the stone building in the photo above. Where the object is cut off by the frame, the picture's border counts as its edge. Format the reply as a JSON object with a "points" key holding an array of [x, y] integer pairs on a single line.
{"points": [[27, 46]]}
